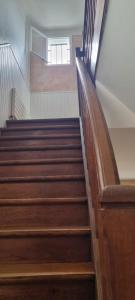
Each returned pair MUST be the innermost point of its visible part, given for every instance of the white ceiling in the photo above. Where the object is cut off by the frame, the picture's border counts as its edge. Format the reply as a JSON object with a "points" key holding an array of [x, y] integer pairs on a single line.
{"points": [[52, 14]]}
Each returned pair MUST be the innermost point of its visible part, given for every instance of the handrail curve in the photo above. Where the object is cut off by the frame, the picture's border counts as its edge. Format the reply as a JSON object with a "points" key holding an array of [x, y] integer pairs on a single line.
{"points": [[106, 164]]}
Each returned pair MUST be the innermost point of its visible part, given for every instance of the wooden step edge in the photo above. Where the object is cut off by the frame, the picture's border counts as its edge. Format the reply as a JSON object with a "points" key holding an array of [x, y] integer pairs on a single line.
{"points": [[42, 161], [40, 148], [34, 232], [45, 127], [42, 178], [43, 201], [41, 120], [39, 137], [34, 272]]}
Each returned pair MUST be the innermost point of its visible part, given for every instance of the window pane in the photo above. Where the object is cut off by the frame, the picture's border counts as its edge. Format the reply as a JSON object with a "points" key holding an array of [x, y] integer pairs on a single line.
{"points": [[68, 56], [59, 51], [53, 54]]}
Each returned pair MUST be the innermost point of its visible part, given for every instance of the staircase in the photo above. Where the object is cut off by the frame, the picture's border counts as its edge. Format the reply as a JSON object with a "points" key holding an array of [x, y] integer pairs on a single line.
{"points": [[45, 235]]}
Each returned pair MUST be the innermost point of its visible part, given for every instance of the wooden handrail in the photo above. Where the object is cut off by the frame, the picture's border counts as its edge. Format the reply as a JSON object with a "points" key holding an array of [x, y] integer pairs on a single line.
{"points": [[118, 195], [111, 205], [105, 161]]}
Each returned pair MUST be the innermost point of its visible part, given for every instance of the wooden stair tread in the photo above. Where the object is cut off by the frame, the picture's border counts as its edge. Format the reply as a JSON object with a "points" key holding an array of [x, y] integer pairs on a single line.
{"points": [[36, 248], [46, 271], [38, 137], [68, 126], [64, 231], [41, 120], [38, 201], [41, 161], [42, 178], [38, 148]]}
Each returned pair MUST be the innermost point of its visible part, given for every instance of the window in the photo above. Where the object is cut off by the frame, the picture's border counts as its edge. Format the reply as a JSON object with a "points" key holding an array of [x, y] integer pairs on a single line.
{"points": [[54, 51], [58, 51]]}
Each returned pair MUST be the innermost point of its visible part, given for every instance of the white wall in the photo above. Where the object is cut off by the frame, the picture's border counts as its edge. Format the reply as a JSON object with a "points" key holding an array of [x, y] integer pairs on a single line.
{"points": [[12, 77], [13, 30], [116, 68], [54, 88], [14, 70], [123, 140], [116, 82], [117, 114], [60, 104]]}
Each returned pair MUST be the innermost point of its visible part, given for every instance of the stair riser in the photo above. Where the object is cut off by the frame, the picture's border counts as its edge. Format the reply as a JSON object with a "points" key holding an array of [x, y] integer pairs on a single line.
{"points": [[40, 131], [58, 189], [48, 122], [29, 216], [45, 249], [41, 154], [42, 169], [40, 142], [49, 290]]}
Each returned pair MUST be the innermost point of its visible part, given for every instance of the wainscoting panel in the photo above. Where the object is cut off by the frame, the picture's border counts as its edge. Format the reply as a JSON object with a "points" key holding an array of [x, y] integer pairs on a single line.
{"points": [[11, 77], [54, 104]]}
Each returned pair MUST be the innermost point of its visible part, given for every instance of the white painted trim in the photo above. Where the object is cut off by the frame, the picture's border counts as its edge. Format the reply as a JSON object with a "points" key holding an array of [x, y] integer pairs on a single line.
{"points": [[31, 41], [37, 31]]}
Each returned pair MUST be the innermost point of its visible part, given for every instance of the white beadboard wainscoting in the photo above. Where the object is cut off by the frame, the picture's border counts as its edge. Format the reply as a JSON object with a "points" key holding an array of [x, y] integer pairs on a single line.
{"points": [[54, 104], [11, 77]]}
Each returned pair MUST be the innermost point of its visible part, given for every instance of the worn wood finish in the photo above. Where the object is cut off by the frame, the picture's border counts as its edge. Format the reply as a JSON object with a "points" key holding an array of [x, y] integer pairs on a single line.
{"points": [[118, 248], [41, 130], [50, 289], [118, 194], [42, 122], [41, 140], [57, 186], [45, 245], [21, 213], [111, 205], [94, 123], [69, 166], [45, 233], [44, 152], [22, 273], [92, 204]]}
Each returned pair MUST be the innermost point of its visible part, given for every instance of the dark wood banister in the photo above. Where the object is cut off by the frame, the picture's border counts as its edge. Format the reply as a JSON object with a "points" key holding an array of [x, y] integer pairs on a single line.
{"points": [[111, 205], [100, 165], [106, 164], [94, 21]]}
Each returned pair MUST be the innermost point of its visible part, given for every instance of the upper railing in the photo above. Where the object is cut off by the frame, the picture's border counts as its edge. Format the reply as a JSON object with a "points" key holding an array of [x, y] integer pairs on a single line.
{"points": [[89, 21], [95, 12]]}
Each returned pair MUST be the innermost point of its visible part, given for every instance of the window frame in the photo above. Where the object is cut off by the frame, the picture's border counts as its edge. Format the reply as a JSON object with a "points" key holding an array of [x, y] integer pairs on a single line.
{"points": [[70, 43]]}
